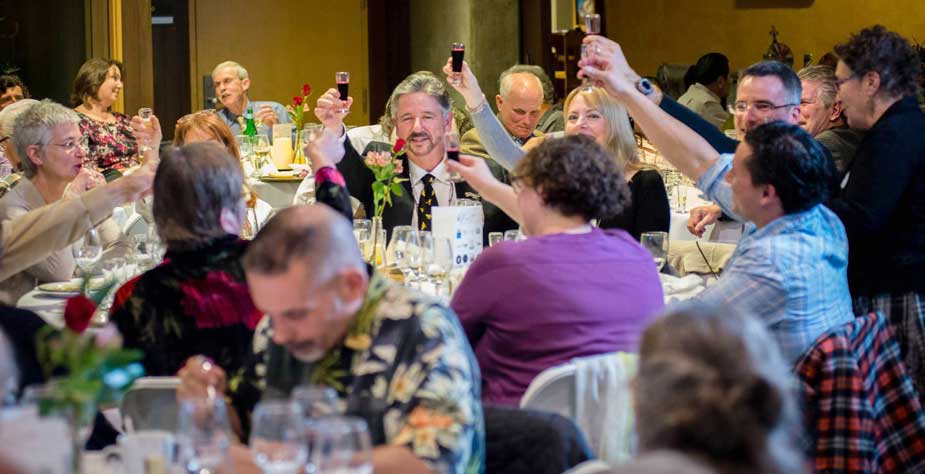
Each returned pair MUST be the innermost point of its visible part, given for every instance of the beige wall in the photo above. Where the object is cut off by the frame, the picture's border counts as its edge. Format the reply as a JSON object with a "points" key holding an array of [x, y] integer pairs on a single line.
{"points": [[678, 31], [283, 44]]}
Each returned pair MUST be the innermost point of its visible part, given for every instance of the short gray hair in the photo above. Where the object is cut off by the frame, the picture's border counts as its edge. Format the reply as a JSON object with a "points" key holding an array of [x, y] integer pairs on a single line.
{"points": [[421, 81], [504, 81], [33, 127], [11, 112], [242, 73], [825, 77]]}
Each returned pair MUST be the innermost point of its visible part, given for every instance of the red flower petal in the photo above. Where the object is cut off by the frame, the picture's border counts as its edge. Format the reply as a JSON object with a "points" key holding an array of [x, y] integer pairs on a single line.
{"points": [[306, 89], [297, 100], [77, 313], [399, 145]]}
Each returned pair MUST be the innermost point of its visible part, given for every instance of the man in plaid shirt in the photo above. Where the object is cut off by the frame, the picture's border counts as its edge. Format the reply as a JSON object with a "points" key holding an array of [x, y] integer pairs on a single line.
{"points": [[789, 268]]}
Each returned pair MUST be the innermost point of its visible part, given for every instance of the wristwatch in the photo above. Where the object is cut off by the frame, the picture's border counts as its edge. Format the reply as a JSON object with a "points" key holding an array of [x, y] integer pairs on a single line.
{"points": [[645, 86]]}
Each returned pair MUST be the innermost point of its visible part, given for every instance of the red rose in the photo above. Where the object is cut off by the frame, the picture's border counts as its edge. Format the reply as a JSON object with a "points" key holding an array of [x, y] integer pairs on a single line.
{"points": [[399, 146], [297, 101], [77, 313], [306, 89]]}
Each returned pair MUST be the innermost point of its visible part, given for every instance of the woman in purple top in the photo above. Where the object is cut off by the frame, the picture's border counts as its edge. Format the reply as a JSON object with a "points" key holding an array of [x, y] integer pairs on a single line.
{"points": [[569, 290]]}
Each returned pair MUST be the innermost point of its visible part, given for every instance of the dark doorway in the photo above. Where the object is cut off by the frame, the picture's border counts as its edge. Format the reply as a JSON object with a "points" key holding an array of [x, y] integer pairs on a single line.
{"points": [[389, 25], [170, 35]]}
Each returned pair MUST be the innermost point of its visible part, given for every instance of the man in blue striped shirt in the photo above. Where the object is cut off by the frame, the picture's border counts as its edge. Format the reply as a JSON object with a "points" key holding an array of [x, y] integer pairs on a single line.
{"points": [[790, 265]]}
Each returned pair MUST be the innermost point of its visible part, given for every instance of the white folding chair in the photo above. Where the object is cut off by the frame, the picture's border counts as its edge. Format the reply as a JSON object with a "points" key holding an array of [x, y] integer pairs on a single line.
{"points": [[151, 404], [594, 466], [553, 390]]}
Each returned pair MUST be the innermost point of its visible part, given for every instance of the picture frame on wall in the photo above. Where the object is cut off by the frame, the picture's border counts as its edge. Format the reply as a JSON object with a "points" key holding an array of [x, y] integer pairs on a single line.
{"points": [[582, 8]]}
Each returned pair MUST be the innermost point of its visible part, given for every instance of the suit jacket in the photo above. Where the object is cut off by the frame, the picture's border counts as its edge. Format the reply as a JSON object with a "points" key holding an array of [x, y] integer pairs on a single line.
{"points": [[360, 179]]}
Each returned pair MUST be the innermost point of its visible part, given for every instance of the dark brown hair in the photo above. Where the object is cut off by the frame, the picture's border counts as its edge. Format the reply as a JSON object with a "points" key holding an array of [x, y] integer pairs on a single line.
{"points": [[90, 77], [193, 185], [576, 176], [886, 53]]}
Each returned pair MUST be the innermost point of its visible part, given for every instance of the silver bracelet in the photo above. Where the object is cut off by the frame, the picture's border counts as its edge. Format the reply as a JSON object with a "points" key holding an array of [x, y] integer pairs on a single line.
{"points": [[477, 108]]}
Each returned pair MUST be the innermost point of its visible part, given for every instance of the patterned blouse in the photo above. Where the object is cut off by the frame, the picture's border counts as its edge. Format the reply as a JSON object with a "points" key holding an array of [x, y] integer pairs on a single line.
{"points": [[112, 145], [412, 377], [195, 302]]}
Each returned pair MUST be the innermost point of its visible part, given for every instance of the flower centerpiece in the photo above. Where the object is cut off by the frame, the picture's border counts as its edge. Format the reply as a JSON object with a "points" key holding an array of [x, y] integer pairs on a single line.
{"points": [[85, 370], [297, 115], [386, 168]]}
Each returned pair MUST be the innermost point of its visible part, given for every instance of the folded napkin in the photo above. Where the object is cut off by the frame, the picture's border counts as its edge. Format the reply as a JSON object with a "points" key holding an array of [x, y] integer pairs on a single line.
{"points": [[685, 257], [672, 285]]}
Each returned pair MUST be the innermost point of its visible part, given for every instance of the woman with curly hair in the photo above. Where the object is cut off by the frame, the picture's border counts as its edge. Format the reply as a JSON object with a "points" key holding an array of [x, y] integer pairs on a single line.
{"points": [[598, 287]]}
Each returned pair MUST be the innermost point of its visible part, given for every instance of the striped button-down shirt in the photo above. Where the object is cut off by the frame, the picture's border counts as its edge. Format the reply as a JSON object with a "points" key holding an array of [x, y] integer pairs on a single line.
{"points": [[792, 273]]}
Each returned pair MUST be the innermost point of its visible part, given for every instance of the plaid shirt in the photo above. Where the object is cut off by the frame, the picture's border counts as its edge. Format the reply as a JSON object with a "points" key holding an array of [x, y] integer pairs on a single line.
{"points": [[791, 273], [860, 409]]}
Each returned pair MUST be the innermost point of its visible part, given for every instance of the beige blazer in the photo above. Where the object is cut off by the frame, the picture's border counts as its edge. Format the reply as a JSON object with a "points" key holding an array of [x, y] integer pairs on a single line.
{"points": [[705, 103], [55, 264]]}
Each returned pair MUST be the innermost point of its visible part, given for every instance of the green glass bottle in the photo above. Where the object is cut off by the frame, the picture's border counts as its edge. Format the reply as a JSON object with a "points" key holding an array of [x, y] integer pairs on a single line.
{"points": [[250, 129]]}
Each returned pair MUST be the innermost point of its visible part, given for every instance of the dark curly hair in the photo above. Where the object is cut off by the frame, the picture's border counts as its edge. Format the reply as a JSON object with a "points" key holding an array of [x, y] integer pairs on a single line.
{"points": [[888, 54], [576, 176], [787, 157]]}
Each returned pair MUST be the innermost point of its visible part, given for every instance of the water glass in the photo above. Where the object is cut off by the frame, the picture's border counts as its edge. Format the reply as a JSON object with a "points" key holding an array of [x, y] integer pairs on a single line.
{"points": [[592, 27], [145, 113], [494, 238], [440, 267], [657, 244], [87, 251], [339, 444], [310, 131], [277, 437], [261, 152], [203, 434], [316, 400], [396, 250]]}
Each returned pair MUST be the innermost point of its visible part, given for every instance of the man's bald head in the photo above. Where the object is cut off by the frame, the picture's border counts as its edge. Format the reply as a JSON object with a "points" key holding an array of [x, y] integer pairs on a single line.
{"points": [[519, 103], [316, 235]]}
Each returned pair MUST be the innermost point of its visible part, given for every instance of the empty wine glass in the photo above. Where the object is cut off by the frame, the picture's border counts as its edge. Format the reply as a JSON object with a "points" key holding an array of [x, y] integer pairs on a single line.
{"points": [[657, 244], [87, 251], [592, 27], [440, 267], [145, 114], [339, 444], [261, 152], [277, 437], [395, 252], [203, 434], [316, 400]]}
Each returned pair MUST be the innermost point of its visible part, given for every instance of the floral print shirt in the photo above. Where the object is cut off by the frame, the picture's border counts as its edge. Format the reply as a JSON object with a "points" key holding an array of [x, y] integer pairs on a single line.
{"points": [[112, 145], [412, 377], [195, 302]]}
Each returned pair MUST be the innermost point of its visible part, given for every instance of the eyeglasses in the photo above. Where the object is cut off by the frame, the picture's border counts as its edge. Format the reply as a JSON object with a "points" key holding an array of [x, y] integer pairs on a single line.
{"points": [[839, 82], [71, 145], [762, 107]]}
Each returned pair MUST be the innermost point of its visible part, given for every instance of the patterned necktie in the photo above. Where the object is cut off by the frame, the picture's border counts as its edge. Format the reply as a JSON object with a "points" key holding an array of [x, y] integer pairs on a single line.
{"points": [[427, 201]]}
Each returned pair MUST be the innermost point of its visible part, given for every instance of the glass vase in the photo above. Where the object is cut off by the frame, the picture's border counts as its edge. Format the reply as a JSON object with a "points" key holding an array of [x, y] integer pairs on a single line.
{"points": [[378, 236]]}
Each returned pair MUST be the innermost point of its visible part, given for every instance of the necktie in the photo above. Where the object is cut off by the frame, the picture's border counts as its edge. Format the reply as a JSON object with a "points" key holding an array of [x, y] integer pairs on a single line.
{"points": [[427, 201]]}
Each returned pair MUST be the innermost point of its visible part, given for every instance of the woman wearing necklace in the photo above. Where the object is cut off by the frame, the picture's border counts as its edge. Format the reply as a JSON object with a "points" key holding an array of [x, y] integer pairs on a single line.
{"points": [[112, 147]]}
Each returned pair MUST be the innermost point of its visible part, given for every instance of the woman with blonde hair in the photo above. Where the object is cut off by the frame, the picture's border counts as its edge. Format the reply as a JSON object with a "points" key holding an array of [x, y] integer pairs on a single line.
{"points": [[595, 114]]}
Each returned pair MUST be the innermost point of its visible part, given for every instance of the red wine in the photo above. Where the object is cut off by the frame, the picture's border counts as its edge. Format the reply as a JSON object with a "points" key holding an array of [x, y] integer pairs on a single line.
{"points": [[342, 87], [458, 59], [453, 154]]}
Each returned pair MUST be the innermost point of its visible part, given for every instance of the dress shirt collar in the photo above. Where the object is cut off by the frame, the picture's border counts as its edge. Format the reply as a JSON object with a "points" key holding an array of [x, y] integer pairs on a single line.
{"points": [[416, 173]]}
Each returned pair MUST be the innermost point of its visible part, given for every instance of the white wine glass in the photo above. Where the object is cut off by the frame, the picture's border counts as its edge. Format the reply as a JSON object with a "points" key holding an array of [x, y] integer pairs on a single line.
{"points": [[316, 400], [87, 251], [277, 437], [339, 444], [657, 244]]}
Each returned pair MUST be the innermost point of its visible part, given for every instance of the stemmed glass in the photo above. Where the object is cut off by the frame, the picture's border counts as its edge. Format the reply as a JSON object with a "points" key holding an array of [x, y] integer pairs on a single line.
{"points": [[343, 87], [657, 244], [452, 152], [340, 444], [87, 251], [261, 152], [425, 256], [395, 252], [145, 114], [203, 434], [440, 267], [592, 27], [407, 252], [277, 437]]}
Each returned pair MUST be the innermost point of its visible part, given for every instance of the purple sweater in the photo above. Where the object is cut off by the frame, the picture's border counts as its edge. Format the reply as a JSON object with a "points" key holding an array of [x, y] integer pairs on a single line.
{"points": [[531, 305]]}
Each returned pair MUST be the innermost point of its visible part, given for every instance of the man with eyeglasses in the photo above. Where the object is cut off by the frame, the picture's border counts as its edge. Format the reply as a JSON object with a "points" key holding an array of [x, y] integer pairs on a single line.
{"points": [[790, 267]]}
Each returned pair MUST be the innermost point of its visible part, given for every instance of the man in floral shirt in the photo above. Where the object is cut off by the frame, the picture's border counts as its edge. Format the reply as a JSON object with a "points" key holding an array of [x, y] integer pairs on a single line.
{"points": [[396, 358]]}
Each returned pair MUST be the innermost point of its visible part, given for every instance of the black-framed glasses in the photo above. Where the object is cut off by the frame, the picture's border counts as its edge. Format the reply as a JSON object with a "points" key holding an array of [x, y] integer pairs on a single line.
{"points": [[760, 106]]}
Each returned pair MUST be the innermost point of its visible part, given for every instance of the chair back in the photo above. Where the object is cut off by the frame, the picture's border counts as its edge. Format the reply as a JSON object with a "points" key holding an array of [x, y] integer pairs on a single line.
{"points": [[531, 442], [553, 390], [151, 404]]}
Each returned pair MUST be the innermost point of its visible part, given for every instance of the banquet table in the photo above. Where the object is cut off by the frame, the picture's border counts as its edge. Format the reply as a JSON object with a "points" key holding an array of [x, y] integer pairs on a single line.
{"points": [[278, 194]]}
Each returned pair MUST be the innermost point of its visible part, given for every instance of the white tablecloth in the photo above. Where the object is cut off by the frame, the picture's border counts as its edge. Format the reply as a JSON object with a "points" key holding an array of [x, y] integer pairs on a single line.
{"points": [[278, 194]]}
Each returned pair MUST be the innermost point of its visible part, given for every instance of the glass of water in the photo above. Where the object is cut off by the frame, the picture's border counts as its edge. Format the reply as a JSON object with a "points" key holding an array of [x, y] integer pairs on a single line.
{"points": [[87, 251], [277, 437], [203, 434], [657, 244], [340, 444]]}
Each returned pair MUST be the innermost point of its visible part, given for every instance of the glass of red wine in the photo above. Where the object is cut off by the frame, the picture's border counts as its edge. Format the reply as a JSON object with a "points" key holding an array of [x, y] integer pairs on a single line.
{"points": [[343, 86], [592, 27], [452, 152], [457, 51]]}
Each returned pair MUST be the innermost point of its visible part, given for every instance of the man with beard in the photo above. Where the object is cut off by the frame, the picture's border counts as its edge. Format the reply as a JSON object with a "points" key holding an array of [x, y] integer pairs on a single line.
{"points": [[421, 114]]}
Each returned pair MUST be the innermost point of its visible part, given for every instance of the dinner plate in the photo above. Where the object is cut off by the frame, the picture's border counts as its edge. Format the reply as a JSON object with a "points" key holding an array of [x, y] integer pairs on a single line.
{"points": [[71, 287], [280, 177]]}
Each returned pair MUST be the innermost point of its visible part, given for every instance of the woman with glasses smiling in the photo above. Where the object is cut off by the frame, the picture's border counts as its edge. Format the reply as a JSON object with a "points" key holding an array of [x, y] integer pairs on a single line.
{"points": [[52, 150]]}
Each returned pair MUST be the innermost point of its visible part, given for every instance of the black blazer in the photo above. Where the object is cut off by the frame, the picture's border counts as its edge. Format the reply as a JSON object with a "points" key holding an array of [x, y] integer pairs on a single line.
{"points": [[360, 179]]}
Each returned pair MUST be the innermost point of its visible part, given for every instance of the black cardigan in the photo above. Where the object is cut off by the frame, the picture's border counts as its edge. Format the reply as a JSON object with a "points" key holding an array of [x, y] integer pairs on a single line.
{"points": [[648, 209]]}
